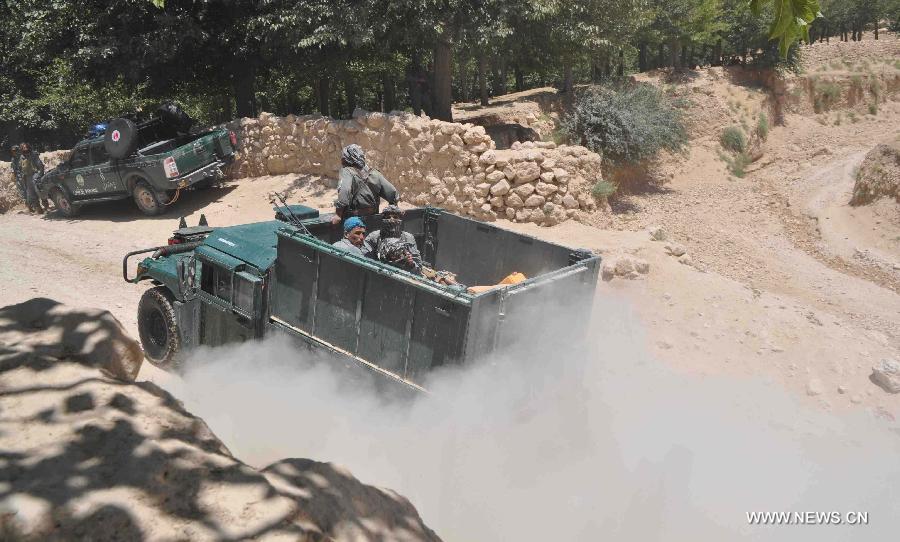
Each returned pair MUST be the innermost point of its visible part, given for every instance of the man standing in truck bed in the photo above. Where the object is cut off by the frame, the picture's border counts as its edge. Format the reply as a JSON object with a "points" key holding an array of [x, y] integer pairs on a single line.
{"points": [[360, 188]]}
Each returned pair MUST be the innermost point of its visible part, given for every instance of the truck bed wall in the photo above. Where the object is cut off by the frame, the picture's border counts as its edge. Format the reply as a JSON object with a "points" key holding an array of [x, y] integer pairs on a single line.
{"points": [[403, 328], [373, 312]]}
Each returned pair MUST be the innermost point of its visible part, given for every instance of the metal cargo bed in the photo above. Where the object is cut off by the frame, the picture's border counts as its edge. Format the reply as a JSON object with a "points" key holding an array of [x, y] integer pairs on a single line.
{"points": [[400, 325]]}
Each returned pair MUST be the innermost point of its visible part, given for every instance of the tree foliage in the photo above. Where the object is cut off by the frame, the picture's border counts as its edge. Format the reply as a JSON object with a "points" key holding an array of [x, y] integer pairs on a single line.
{"points": [[68, 63]]}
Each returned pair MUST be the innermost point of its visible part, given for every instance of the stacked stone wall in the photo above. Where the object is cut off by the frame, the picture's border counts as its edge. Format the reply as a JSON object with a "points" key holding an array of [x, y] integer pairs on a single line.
{"points": [[450, 165]]}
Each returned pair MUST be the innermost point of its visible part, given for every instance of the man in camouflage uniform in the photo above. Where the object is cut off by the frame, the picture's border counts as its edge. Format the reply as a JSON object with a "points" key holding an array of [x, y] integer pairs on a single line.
{"points": [[30, 170], [17, 171], [392, 231], [361, 187]]}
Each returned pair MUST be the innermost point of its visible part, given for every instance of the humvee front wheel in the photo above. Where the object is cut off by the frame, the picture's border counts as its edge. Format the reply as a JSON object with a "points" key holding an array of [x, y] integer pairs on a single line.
{"points": [[146, 199], [63, 204], [158, 328]]}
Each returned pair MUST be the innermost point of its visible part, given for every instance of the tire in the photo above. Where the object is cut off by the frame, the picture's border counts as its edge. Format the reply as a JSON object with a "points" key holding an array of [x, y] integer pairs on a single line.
{"points": [[158, 328], [174, 118], [121, 138], [147, 200], [63, 204]]}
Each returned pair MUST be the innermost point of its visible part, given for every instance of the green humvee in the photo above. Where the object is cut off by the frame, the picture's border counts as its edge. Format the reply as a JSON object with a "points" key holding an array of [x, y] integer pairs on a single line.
{"points": [[150, 162], [220, 285]]}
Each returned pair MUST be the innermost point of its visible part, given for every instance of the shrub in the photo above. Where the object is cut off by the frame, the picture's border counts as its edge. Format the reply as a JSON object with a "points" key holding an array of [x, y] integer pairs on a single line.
{"points": [[733, 139], [603, 189], [875, 87], [626, 123], [762, 126], [873, 108], [829, 92], [738, 163]]}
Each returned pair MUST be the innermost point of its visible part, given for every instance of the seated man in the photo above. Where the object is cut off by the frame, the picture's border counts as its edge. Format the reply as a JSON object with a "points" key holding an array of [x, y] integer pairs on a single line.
{"points": [[354, 240], [391, 233]]}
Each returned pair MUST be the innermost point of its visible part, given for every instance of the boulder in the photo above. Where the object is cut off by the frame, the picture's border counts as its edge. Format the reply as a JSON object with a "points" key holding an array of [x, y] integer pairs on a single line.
{"points": [[514, 200], [535, 201], [526, 172], [91, 336], [887, 375]]}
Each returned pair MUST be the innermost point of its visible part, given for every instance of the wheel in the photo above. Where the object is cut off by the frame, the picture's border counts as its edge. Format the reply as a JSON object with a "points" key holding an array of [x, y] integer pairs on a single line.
{"points": [[158, 328], [174, 118], [63, 204], [121, 138], [147, 199]]}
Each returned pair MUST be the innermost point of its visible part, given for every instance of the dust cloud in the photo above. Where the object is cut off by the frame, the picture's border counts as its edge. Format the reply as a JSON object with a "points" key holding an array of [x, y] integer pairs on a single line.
{"points": [[589, 441]]}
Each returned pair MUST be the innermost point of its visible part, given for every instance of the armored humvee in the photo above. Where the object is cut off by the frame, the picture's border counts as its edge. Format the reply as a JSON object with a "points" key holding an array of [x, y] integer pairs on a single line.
{"points": [[217, 285]]}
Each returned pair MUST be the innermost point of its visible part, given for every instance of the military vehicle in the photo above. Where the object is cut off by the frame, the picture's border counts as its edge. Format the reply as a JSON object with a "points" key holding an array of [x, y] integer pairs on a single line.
{"points": [[218, 285], [149, 161]]}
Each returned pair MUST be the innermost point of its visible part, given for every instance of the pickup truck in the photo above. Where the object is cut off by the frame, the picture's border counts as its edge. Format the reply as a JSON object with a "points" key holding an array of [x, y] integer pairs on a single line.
{"points": [[214, 286], [150, 162]]}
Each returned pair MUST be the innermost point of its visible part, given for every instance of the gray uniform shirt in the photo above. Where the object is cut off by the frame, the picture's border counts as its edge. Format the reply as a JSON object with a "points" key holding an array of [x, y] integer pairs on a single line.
{"points": [[371, 244], [347, 246], [355, 192]]}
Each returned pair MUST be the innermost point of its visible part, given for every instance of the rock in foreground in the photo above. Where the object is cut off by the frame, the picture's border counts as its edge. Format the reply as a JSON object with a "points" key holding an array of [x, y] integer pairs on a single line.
{"points": [[88, 456]]}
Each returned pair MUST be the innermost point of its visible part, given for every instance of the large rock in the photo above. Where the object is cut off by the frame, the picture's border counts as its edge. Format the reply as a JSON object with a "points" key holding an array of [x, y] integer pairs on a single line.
{"points": [[526, 172], [91, 336], [887, 375]]}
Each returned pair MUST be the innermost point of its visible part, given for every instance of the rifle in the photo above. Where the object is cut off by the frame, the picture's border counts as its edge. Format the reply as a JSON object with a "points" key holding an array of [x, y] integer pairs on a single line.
{"points": [[293, 220]]}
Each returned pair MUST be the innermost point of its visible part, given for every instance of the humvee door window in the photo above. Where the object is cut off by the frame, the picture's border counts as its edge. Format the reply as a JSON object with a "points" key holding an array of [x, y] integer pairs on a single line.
{"points": [[216, 281], [79, 157], [99, 154]]}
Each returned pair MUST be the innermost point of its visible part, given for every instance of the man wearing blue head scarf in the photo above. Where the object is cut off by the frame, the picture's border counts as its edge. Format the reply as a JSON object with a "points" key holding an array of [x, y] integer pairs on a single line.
{"points": [[361, 187], [354, 237]]}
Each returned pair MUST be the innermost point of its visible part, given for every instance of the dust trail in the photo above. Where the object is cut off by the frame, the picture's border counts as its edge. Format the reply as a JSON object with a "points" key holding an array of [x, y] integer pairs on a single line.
{"points": [[585, 443]]}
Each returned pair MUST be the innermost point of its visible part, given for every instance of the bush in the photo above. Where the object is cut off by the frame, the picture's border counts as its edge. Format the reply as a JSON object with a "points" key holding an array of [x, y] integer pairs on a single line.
{"points": [[827, 94], [762, 126], [733, 139], [603, 189], [738, 163], [873, 108], [626, 123]]}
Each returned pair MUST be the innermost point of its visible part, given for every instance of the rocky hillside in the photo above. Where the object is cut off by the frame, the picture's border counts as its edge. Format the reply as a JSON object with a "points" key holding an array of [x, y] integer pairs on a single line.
{"points": [[90, 455]]}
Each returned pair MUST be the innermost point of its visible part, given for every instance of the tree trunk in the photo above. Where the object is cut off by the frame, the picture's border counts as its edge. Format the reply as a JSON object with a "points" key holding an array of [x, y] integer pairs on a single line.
{"points": [[482, 78], [464, 79], [414, 83], [642, 57], [607, 66], [684, 56], [324, 95], [242, 80], [501, 83], [876, 29], [717, 53], [443, 93], [661, 56], [568, 77], [350, 91], [520, 78], [674, 52], [620, 70], [389, 99]]}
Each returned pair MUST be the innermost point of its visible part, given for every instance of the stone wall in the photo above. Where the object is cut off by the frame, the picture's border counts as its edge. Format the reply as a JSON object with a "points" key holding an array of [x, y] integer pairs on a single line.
{"points": [[445, 164]]}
